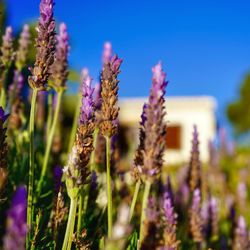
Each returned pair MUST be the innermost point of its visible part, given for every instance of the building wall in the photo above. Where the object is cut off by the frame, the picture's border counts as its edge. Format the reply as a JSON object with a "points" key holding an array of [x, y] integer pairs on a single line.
{"points": [[183, 112]]}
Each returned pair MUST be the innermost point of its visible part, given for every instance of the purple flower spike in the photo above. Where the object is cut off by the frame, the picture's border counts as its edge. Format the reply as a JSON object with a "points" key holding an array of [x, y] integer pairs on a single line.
{"points": [[107, 52], [60, 66], [87, 108], [109, 93], [83, 145], [143, 115], [241, 241], [210, 217], [155, 126], [115, 63], [8, 36], [194, 169], [84, 74], [24, 42], [169, 218], [16, 221], [7, 48], [138, 161], [196, 222], [15, 88], [46, 11], [45, 44], [97, 96]]}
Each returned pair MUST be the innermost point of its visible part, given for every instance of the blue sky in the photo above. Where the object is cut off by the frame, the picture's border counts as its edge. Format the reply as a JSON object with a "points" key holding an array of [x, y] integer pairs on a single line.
{"points": [[204, 45]]}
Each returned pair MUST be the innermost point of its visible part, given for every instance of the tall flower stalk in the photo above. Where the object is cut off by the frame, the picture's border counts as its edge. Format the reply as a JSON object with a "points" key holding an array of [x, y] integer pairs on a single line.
{"points": [[85, 137], [241, 237], [169, 220], [23, 48], [84, 75], [194, 170], [138, 161], [154, 142], [6, 59], [77, 171], [59, 77], [45, 44], [109, 110], [14, 92], [195, 219]]}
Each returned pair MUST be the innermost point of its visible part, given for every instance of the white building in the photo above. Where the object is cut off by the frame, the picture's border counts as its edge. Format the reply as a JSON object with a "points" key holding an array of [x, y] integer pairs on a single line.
{"points": [[182, 114]]}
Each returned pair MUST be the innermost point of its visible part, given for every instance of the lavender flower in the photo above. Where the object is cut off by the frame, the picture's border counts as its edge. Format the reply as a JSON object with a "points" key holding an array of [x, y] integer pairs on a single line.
{"points": [[3, 150], [138, 161], [60, 66], [24, 42], [7, 51], [107, 53], [210, 218], [84, 136], [213, 212], [16, 221], [195, 219], [109, 93], [194, 170], [155, 127], [76, 170], [15, 88], [97, 96], [87, 108], [84, 74], [241, 241], [169, 220], [45, 44]]}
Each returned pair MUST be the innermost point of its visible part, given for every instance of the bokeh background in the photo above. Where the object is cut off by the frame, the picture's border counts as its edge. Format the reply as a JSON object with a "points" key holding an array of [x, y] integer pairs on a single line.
{"points": [[204, 45]]}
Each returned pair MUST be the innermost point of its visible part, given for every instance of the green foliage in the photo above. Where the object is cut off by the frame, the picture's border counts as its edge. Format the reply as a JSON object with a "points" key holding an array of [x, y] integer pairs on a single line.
{"points": [[133, 241], [238, 111]]}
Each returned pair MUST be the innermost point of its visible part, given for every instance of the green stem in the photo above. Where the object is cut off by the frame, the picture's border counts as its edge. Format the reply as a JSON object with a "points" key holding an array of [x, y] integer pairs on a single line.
{"points": [[70, 225], [50, 114], [143, 211], [3, 99], [109, 189], [49, 144], [31, 165], [92, 156], [75, 121], [79, 218], [3, 90], [132, 208]]}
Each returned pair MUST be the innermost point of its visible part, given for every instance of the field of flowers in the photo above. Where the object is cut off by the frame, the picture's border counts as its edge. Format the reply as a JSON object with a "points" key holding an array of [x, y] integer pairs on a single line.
{"points": [[62, 189]]}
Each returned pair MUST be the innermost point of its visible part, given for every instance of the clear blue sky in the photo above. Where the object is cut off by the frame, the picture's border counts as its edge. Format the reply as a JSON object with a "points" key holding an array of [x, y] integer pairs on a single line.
{"points": [[204, 45]]}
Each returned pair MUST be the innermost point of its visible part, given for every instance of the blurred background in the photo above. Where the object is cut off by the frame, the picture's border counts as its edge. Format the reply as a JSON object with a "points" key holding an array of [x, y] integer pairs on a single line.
{"points": [[204, 47]]}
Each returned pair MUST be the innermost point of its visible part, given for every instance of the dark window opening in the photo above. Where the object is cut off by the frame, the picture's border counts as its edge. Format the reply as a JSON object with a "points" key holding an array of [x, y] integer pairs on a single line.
{"points": [[173, 137]]}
